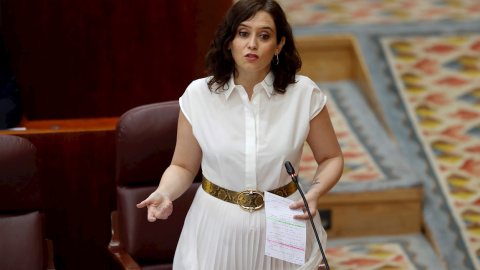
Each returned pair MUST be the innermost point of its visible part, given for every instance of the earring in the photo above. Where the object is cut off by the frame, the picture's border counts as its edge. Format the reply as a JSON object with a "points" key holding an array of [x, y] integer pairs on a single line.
{"points": [[277, 60]]}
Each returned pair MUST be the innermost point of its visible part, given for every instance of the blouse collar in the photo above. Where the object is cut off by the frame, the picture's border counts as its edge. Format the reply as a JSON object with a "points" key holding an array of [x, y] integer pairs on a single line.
{"points": [[267, 84]]}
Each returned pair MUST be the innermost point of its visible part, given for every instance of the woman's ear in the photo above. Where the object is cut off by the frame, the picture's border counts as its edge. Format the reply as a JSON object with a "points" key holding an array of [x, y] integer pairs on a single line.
{"points": [[280, 45]]}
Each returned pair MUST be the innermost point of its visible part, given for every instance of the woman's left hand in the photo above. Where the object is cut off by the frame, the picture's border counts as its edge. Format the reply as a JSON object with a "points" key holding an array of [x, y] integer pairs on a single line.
{"points": [[312, 206]]}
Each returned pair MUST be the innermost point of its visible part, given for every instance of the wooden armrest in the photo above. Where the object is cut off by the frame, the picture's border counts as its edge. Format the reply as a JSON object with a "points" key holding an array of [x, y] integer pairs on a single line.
{"points": [[115, 247]]}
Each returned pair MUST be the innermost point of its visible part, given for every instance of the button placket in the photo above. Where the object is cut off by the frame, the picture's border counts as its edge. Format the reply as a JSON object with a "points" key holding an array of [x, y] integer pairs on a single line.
{"points": [[254, 121], [250, 142]]}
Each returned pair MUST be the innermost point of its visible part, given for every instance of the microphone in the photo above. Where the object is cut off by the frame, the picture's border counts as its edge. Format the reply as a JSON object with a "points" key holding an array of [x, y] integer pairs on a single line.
{"points": [[292, 174]]}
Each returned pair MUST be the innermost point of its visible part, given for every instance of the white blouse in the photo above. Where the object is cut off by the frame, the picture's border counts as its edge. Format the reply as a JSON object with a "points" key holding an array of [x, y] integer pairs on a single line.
{"points": [[245, 143]]}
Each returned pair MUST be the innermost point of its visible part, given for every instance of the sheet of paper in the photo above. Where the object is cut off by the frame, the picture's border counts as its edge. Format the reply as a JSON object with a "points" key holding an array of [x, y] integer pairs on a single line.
{"points": [[285, 236], [17, 129]]}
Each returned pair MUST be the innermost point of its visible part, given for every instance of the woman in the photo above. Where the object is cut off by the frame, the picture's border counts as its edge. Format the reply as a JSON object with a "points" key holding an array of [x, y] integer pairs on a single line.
{"points": [[241, 125]]}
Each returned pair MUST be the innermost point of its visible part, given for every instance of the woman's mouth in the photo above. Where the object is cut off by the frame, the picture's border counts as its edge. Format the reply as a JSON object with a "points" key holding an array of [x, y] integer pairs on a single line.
{"points": [[251, 57]]}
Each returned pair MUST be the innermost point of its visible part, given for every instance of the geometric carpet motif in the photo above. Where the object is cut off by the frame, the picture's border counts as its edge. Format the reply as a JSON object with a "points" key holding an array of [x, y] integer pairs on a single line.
{"points": [[438, 78], [391, 256], [359, 165], [329, 12], [401, 252]]}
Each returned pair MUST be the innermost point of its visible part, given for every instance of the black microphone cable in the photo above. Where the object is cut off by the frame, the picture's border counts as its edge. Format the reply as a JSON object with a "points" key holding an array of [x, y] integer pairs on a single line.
{"points": [[292, 174]]}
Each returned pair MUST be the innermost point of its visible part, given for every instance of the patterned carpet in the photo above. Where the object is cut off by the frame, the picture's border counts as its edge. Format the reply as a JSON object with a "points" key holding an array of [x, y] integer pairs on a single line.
{"points": [[437, 131], [438, 78], [359, 162], [372, 161], [325, 12], [404, 252], [369, 256]]}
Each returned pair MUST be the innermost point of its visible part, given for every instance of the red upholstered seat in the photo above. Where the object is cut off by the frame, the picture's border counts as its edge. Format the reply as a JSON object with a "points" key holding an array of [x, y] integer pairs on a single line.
{"points": [[22, 226], [145, 142], [22, 241]]}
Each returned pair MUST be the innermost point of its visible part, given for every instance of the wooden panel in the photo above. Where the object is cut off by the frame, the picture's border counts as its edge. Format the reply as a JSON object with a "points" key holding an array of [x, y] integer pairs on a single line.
{"points": [[326, 58], [388, 212], [375, 219], [96, 59], [329, 66], [369, 197], [66, 125], [99, 58], [77, 170]]}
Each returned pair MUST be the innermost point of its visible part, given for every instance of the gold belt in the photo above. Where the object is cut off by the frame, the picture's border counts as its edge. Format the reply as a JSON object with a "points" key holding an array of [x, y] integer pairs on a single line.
{"points": [[249, 199]]}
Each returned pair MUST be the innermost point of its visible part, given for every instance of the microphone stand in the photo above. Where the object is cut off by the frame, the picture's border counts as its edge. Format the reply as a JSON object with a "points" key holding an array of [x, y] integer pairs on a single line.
{"points": [[292, 174]]}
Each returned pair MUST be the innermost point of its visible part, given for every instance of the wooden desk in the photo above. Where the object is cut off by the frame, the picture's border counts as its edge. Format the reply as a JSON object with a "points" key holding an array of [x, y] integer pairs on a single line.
{"points": [[77, 170], [373, 213]]}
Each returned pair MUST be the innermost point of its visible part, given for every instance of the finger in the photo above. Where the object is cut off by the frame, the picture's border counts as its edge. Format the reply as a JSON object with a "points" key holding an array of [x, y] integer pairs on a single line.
{"points": [[305, 215], [165, 210], [151, 216], [142, 204], [296, 205], [152, 212], [163, 214], [301, 217]]}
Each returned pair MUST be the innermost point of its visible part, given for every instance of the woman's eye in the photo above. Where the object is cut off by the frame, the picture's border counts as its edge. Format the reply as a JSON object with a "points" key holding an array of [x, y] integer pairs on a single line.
{"points": [[242, 33], [264, 36]]}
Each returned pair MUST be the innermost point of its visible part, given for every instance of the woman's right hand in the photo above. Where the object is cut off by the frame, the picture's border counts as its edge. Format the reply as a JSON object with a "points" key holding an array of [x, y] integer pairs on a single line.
{"points": [[159, 206]]}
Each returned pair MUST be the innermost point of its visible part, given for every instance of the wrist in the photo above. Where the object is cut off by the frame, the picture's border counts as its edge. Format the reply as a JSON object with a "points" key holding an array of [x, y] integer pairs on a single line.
{"points": [[314, 193], [161, 193]]}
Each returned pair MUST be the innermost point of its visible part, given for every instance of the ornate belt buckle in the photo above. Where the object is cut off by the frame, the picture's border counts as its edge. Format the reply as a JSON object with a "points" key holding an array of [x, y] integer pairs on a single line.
{"points": [[248, 192]]}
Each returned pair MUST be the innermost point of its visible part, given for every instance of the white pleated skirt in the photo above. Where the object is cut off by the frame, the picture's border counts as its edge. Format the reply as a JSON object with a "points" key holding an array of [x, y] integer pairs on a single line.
{"points": [[220, 235]]}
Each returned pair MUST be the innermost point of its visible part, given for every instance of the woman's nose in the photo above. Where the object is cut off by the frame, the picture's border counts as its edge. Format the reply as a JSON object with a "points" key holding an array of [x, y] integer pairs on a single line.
{"points": [[252, 43]]}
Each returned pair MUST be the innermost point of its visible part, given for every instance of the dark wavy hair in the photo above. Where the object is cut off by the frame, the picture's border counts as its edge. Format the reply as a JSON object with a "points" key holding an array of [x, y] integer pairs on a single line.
{"points": [[219, 61]]}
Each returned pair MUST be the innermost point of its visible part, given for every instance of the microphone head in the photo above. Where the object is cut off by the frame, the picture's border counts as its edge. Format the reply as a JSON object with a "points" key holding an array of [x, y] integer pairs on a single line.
{"points": [[289, 168]]}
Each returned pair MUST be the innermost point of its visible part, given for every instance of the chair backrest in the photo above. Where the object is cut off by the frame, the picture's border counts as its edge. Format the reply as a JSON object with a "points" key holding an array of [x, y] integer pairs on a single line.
{"points": [[22, 232], [145, 142]]}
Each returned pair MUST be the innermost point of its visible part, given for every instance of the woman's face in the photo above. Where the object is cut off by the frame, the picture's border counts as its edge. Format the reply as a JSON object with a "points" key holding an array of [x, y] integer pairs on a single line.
{"points": [[255, 44]]}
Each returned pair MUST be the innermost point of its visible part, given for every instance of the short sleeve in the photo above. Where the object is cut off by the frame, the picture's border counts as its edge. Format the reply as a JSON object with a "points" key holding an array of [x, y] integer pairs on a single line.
{"points": [[184, 103], [317, 102]]}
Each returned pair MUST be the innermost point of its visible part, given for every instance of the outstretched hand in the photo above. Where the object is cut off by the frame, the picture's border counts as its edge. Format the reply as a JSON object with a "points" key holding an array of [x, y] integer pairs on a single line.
{"points": [[312, 206], [159, 206]]}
